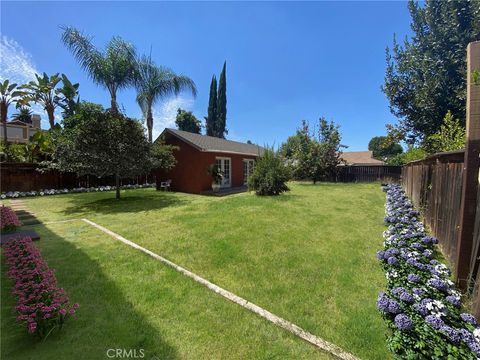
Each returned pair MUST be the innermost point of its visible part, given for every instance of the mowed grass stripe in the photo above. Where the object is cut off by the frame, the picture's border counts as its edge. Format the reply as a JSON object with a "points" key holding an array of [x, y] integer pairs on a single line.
{"points": [[294, 329]]}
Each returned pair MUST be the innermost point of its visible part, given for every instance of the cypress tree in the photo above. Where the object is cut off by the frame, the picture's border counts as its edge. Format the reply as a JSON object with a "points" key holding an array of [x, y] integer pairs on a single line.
{"points": [[211, 119], [222, 104]]}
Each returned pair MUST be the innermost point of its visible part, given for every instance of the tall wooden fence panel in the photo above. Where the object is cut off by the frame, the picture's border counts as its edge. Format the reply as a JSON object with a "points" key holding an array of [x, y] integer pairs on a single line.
{"points": [[26, 177], [435, 187]]}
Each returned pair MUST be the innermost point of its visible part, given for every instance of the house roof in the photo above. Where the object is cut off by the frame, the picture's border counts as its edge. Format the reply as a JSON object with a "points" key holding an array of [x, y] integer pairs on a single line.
{"points": [[360, 158], [213, 144]]}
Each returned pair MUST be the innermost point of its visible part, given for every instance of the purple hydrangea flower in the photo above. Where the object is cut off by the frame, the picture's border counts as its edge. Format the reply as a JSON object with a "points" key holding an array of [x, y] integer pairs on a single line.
{"points": [[438, 284], [418, 291], [392, 260], [403, 322], [382, 302], [394, 307], [451, 333], [468, 338], [421, 309], [454, 300], [434, 322], [398, 291], [405, 296], [380, 255], [468, 318], [413, 278]]}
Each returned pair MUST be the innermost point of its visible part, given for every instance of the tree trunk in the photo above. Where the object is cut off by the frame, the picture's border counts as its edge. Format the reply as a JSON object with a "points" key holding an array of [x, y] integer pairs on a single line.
{"points": [[150, 123], [51, 116], [117, 186], [3, 110], [113, 103]]}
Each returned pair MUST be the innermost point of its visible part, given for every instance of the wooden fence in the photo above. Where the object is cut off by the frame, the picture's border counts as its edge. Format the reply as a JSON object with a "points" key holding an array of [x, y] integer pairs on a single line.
{"points": [[435, 187], [26, 177], [369, 173]]}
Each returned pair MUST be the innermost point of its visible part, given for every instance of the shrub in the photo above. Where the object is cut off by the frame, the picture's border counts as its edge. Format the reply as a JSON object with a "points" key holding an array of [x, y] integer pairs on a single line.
{"points": [[41, 305], [269, 175], [421, 306], [9, 220]]}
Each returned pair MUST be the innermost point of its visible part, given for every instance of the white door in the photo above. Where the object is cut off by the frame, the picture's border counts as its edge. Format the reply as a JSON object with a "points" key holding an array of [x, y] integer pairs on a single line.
{"points": [[225, 166], [247, 169]]}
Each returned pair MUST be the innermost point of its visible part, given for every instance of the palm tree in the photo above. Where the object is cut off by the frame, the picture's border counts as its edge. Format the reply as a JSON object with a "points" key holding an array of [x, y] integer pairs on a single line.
{"points": [[24, 114], [8, 94], [155, 83], [42, 91], [114, 68]]}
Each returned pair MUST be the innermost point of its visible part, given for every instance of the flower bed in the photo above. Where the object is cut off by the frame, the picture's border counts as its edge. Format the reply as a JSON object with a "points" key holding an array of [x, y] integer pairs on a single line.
{"points": [[17, 194], [8, 220], [41, 305], [421, 306]]}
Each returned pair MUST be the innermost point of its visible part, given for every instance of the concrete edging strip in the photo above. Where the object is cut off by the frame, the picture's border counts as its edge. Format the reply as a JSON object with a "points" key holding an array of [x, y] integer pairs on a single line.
{"points": [[287, 325]]}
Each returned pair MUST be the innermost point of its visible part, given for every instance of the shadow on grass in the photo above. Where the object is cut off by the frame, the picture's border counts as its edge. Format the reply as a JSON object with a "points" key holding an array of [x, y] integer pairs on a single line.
{"points": [[105, 319], [150, 200]]}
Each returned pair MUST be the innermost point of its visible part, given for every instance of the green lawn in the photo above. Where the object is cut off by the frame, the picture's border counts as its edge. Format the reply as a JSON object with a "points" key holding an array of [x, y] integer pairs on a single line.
{"points": [[307, 256]]}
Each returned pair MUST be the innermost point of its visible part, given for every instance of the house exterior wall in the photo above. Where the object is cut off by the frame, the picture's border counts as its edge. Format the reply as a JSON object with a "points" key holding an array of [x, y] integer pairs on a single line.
{"points": [[17, 133], [190, 173]]}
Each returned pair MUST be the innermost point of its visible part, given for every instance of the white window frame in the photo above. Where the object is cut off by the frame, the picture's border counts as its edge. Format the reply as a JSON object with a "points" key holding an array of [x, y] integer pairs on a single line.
{"points": [[222, 185]]}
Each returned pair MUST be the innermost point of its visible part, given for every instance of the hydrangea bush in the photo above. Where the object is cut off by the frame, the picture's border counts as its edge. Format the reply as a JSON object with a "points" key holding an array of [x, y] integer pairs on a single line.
{"points": [[41, 305], [17, 194], [8, 220], [421, 306]]}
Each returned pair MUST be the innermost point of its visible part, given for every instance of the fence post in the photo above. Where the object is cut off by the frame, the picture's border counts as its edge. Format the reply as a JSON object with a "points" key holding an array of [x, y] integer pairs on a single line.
{"points": [[470, 170]]}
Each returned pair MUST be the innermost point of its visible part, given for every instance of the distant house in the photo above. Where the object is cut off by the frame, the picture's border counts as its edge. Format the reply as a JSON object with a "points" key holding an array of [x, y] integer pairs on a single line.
{"points": [[19, 131], [360, 158], [196, 152]]}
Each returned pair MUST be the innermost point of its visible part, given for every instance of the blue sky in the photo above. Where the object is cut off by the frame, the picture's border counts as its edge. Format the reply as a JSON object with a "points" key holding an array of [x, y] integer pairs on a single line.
{"points": [[285, 61]]}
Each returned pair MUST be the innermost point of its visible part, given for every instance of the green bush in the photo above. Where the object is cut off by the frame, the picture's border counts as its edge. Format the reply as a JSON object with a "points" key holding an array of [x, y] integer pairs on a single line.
{"points": [[270, 175]]}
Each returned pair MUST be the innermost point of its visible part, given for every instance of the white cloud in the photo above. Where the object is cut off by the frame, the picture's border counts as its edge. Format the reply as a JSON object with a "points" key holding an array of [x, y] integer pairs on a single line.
{"points": [[165, 113], [17, 66]]}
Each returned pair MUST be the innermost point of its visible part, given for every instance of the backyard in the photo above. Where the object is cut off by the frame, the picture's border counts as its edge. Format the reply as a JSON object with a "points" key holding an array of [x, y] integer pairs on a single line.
{"points": [[306, 256]]}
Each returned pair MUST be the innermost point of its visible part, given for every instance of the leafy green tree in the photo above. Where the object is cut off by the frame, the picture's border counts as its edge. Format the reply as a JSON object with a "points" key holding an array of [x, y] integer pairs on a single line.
{"points": [[287, 149], [104, 143], [44, 91], [270, 175], [301, 159], [24, 114], [426, 76], [155, 83], [413, 153], [114, 68], [382, 148], [325, 153], [450, 136], [8, 93], [221, 121], [186, 121], [211, 119], [69, 97]]}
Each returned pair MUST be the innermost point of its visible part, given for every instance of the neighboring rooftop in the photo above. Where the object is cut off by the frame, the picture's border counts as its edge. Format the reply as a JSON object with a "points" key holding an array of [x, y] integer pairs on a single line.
{"points": [[214, 144], [360, 158]]}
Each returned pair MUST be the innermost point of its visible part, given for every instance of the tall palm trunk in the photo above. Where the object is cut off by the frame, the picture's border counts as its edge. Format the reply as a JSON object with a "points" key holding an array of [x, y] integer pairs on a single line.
{"points": [[113, 104], [3, 111], [51, 115], [150, 122]]}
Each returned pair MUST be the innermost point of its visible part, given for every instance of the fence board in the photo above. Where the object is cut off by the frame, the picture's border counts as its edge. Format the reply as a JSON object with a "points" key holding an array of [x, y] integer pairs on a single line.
{"points": [[367, 173], [25, 177]]}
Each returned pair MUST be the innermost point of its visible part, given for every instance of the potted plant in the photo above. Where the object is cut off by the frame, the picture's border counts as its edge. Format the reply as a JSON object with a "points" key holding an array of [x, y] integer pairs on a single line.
{"points": [[216, 173]]}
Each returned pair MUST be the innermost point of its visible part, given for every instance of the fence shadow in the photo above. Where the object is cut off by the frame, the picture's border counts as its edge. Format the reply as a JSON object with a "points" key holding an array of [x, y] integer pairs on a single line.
{"points": [[105, 319]]}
